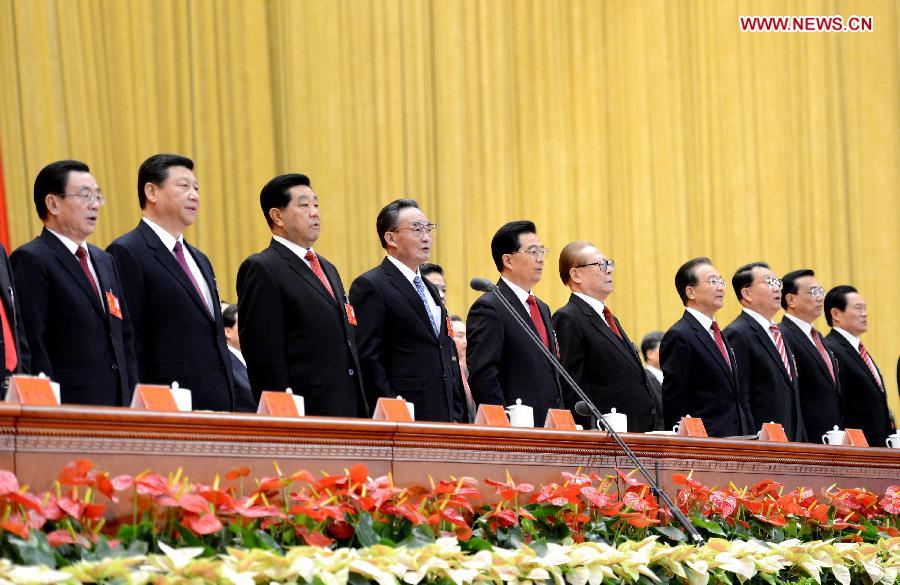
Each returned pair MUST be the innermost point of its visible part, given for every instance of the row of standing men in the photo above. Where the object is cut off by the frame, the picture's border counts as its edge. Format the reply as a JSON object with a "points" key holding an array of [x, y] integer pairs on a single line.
{"points": [[147, 309]]}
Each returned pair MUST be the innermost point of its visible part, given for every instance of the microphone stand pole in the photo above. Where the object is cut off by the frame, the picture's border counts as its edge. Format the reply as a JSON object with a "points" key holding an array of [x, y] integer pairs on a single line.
{"points": [[485, 286]]}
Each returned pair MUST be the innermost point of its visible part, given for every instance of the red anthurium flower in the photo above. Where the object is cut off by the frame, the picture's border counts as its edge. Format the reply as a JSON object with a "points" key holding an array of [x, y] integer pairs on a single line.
{"points": [[106, 487], [629, 478], [270, 485], [193, 503], [890, 503], [358, 474], [766, 486], [29, 501], [596, 497], [59, 537], [237, 472], [93, 511], [636, 501], [203, 524], [341, 530], [122, 482], [15, 526], [453, 516], [313, 538], [8, 482], [71, 507], [77, 473], [577, 479], [152, 484], [637, 519]]}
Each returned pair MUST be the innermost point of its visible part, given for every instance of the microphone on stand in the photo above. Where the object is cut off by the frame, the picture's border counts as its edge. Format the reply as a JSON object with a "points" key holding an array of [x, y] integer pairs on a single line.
{"points": [[582, 408], [588, 408]]}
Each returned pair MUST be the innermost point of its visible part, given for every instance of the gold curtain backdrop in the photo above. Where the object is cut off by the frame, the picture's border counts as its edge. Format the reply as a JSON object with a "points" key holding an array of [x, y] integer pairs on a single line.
{"points": [[657, 130]]}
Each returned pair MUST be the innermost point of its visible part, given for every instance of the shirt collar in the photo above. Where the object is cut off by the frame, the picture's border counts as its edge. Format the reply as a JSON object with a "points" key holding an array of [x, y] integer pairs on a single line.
{"points": [[168, 239], [705, 321], [403, 268], [763, 322], [657, 373], [521, 293], [237, 354], [803, 325], [595, 304], [70, 244], [854, 340], [295, 248]]}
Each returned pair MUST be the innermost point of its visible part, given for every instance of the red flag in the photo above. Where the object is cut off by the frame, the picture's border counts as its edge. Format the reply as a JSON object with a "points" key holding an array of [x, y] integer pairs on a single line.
{"points": [[4, 224]]}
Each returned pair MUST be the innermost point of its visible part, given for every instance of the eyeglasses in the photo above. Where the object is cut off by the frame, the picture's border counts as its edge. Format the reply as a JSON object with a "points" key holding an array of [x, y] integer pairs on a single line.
{"points": [[536, 253], [419, 229], [815, 291], [715, 281], [773, 283], [87, 197], [606, 265]]}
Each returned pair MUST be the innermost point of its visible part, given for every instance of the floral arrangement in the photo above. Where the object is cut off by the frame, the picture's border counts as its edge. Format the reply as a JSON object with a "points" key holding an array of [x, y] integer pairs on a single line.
{"points": [[350, 527]]}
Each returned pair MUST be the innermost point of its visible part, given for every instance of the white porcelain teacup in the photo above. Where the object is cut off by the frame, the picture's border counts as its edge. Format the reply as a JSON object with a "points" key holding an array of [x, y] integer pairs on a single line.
{"points": [[183, 398], [893, 441], [834, 437], [520, 415], [616, 420]]}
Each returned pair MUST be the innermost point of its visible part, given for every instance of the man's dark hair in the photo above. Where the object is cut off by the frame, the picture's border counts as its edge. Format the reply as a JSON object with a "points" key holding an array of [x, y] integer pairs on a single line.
{"points": [[837, 299], [276, 193], [506, 240], [53, 178], [229, 315], [790, 283], [650, 341], [456, 318], [156, 170], [388, 216], [687, 276], [744, 277], [427, 268]]}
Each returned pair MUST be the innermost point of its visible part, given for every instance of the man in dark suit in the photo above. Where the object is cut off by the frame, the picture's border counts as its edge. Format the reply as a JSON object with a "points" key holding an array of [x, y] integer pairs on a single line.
{"points": [[297, 328], [650, 350], [244, 400], [504, 363], [765, 360], [405, 344], [700, 377], [72, 307], [820, 393], [594, 347], [865, 403], [171, 290], [13, 342]]}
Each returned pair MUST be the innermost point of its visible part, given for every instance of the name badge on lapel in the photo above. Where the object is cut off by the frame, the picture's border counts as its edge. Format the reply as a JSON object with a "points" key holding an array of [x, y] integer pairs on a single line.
{"points": [[351, 314], [115, 308], [450, 327]]}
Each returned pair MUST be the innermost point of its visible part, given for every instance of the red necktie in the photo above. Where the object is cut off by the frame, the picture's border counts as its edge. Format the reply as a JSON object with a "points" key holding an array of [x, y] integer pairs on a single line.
{"points": [[536, 319], [317, 270], [81, 253], [868, 359], [9, 342], [182, 261], [717, 335], [817, 339], [608, 316], [779, 345]]}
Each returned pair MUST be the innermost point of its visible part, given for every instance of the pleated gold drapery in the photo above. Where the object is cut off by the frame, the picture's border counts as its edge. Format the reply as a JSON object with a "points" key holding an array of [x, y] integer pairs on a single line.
{"points": [[657, 130]]}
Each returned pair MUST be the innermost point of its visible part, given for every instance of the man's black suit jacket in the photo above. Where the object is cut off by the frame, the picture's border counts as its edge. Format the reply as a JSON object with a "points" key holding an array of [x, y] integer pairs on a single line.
{"points": [[398, 351], [73, 336], [294, 334], [609, 369], [11, 306], [865, 405], [774, 397], [243, 395], [820, 394], [504, 363], [697, 381], [176, 339], [656, 388]]}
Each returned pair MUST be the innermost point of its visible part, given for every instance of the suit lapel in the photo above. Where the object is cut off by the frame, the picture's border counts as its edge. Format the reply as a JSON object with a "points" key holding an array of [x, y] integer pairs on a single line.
{"points": [[407, 289], [762, 336], [595, 320], [707, 342], [303, 271], [859, 359], [70, 263], [807, 346], [516, 303], [167, 259]]}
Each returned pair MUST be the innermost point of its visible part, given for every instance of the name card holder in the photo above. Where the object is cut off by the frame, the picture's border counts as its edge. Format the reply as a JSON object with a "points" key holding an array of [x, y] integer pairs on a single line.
{"points": [[153, 397], [392, 409], [855, 438], [560, 419], [692, 427], [773, 432], [277, 404], [31, 391], [491, 415]]}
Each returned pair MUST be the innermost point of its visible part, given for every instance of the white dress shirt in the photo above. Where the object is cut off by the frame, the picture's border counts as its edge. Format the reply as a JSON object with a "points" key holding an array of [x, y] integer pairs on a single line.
{"points": [[805, 327], [295, 248], [429, 300], [72, 247], [595, 304], [705, 322], [169, 242]]}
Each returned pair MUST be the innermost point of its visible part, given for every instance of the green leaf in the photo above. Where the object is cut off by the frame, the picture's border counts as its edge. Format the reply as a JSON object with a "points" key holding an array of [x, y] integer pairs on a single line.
{"points": [[420, 536], [365, 531], [266, 540], [190, 539], [767, 577], [671, 532], [357, 579], [36, 550], [475, 544]]}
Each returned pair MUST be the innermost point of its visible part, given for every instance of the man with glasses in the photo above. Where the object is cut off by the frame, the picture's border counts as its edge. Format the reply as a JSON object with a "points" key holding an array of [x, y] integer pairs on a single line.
{"points": [[504, 363], [594, 347], [700, 377], [865, 404], [171, 288], [75, 317], [802, 299], [765, 359], [405, 343]]}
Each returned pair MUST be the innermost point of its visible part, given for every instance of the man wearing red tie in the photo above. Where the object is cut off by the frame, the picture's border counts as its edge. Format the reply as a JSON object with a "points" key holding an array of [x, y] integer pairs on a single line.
{"points": [[700, 377], [768, 369], [77, 324], [504, 363], [15, 350], [864, 394], [297, 328]]}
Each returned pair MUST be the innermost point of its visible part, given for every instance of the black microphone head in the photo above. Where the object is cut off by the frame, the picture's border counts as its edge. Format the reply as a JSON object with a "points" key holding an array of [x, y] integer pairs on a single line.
{"points": [[481, 284], [583, 409]]}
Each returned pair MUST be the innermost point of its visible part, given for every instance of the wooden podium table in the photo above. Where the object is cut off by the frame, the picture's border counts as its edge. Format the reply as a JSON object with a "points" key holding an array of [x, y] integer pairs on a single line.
{"points": [[36, 442]]}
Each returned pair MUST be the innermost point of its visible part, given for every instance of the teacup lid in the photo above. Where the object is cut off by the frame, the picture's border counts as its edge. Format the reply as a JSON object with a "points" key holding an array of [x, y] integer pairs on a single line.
{"points": [[836, 428], [518, 402], [175, 386]]}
